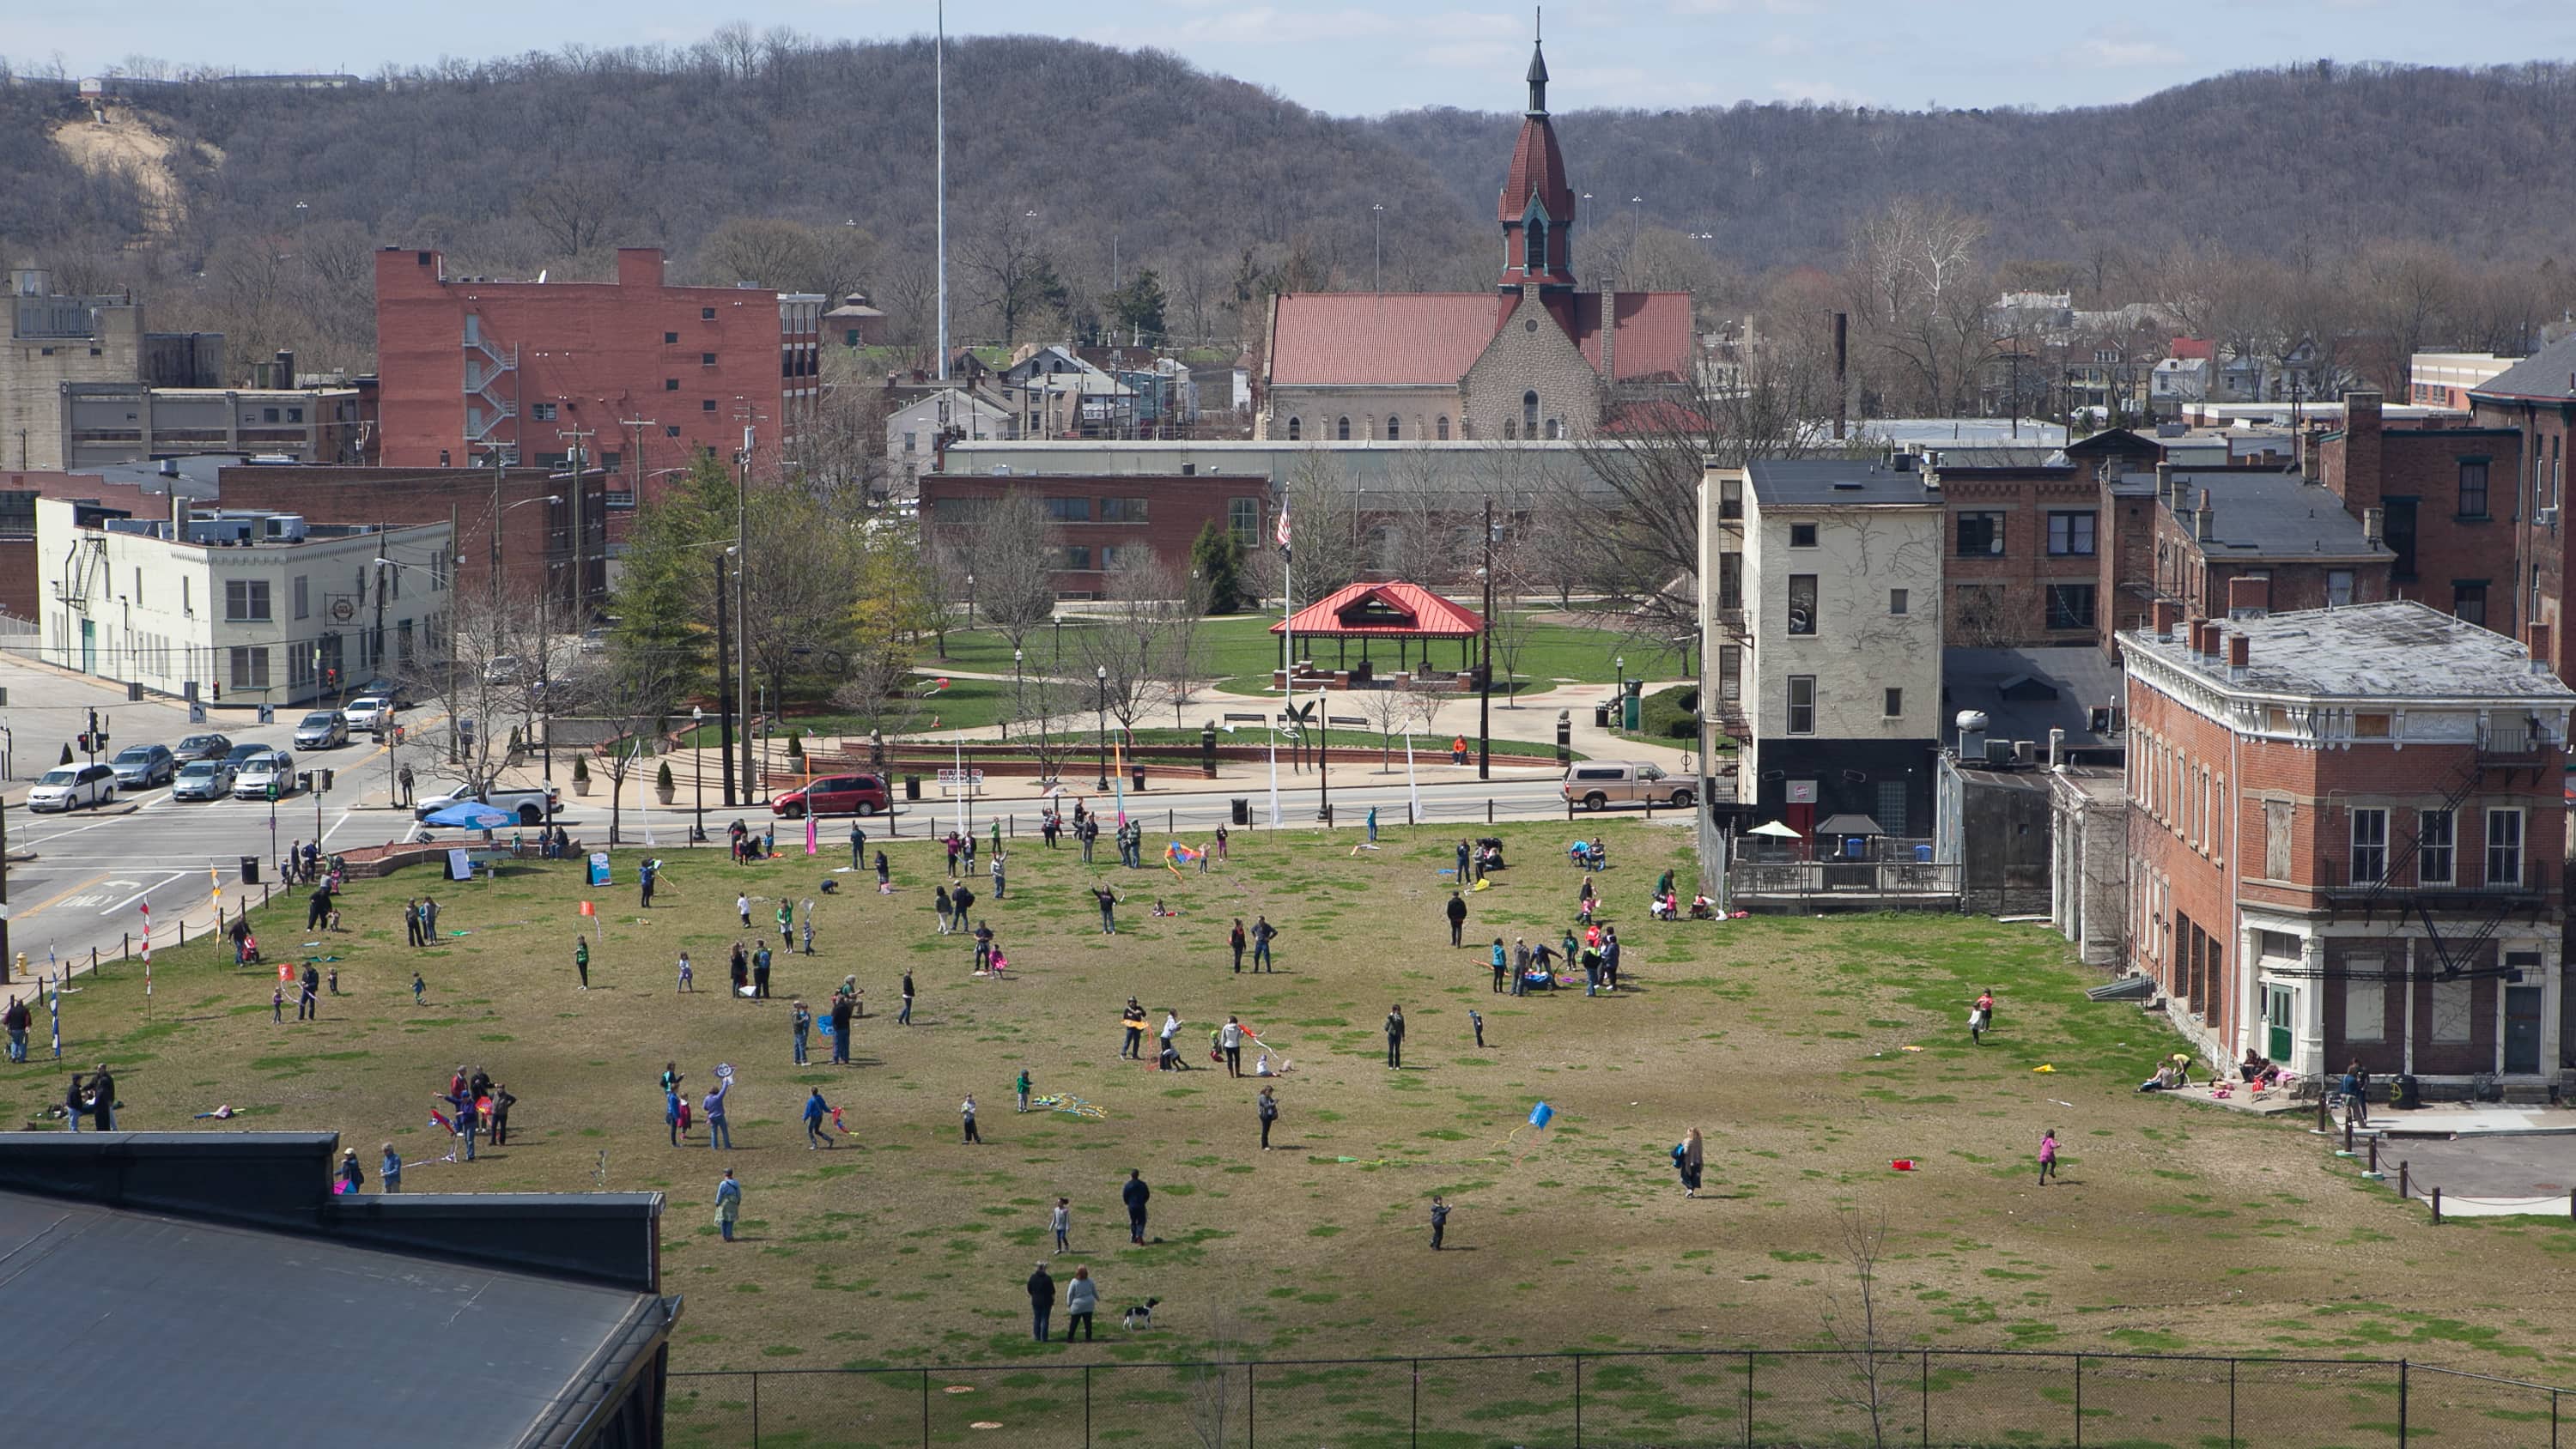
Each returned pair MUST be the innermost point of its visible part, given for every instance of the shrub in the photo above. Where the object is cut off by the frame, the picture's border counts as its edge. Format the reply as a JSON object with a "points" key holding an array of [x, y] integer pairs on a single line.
{"points": [[581, 767], [662, 777]]}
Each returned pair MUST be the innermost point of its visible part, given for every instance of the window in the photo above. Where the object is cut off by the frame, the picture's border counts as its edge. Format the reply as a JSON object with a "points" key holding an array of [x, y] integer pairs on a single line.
{"points": [[706, 359], [1296, 428], [1392, 427], [1443, 427], [1802, 704], [2473, 487], [249, 665], [2365, 1000], [1077, 557], [1069, 510], [671, 430], [299, 667], [1730, 498], [246, 601], [670, 337], [2338, 588], [706, 314], [1802, 603], [1981, 534], [2504, 847], [303, 600], [402, 640], [542, 412], [2436, 847], [670, 384], [1895, 704], [1802, 535], [2469, 601], [2277, 826], [2070, 535], [1511, 429], [1730, 580], [1342, 430], [2070, 606], [2369, 846], [848, 339], [2397, 530], [1898, 601], [1243, 518], [268, 415], [2451, 1011], [1534, 249], [1529, 414], [706, 405], [1122, 510], [909, 441]]}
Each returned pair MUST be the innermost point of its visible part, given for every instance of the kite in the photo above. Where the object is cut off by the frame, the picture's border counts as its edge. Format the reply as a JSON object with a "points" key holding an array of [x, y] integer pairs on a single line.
{"points": [[1176, 855], [1540, 1114]]}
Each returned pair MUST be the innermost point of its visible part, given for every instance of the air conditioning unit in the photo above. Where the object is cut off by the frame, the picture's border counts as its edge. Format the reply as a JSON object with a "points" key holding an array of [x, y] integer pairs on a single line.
{"points": [[2548, 517]]}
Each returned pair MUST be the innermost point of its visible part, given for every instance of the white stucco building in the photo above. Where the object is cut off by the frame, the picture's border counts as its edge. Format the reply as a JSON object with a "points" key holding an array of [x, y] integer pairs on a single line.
{"points": [[250, 607]]}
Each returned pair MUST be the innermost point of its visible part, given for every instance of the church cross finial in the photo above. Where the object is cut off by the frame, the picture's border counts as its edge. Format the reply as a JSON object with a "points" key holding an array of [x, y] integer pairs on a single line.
{"points": [[1538, 65]]}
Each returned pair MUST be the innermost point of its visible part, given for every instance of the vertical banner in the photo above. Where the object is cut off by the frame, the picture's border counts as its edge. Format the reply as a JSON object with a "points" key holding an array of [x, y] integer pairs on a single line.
{"points": [[1274, 782], [810, 826], [1118, 777], [54, 997], [147, 959], [1412, 786]]}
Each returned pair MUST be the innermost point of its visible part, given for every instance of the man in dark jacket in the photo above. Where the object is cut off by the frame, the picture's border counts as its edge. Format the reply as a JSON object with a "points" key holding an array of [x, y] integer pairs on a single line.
{"points": [[317, 909], [104, 1104], [1041, 1301], [308, 1005], [1457, 919], [1136, 1193], [841, 1008], [1395, 1036], [18, 1019]]}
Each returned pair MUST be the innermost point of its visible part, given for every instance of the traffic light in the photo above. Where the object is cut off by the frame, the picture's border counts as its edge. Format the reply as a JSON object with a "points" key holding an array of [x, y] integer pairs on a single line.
{"points": [[272, 788], [331, 678], [84, 742]]}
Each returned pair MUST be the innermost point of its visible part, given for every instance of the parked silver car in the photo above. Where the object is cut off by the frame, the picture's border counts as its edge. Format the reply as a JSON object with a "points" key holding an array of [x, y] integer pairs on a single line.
{"points": [[140, 767], [203, 780]]}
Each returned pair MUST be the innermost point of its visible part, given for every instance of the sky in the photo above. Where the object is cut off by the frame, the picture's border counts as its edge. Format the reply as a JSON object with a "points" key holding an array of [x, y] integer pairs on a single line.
{"points": [[1350, 58]]}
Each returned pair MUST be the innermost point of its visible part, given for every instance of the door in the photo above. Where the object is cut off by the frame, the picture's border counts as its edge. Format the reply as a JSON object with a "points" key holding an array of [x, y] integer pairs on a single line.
{"points": [[2522, 1028], [2277, 1003], [89, 647]]}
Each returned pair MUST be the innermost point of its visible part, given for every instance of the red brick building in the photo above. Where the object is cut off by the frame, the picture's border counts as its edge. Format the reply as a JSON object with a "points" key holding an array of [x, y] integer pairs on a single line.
{"points": [[2344, 832], [1104, 522], [2023, 547], [2536, 398], [2445, 499], [2234, 539], [562, 544], [639, 374]]}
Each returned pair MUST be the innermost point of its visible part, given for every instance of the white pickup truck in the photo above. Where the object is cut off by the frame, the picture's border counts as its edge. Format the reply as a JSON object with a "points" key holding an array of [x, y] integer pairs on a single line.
{"points": [[529, 805]]}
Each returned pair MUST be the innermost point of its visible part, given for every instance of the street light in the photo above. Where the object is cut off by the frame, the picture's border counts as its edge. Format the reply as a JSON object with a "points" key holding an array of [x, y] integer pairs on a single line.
{"points": [[698, 770], [1019, 702], [1377, 277], [1619, 694], [970, 601], [1104, 726]]}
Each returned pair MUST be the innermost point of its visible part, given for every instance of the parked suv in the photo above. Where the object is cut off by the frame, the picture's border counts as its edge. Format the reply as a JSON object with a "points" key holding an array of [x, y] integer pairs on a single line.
{"points": [[323, 729], [253, 781], [140, 767], [1599, 784], [69, 787], [836, 795]]}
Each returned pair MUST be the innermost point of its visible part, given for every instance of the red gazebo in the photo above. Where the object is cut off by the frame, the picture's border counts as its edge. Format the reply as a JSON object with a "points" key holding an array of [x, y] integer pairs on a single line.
{"points": [[1395, 610]]}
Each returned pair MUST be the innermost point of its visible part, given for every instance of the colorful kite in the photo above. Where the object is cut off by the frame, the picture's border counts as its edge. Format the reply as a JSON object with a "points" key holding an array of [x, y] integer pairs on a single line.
{"points": [[1176, 855]]}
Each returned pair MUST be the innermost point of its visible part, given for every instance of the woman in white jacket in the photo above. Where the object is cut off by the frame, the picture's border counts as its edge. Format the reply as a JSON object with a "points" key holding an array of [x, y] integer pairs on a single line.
{"points": [[1081, 1300]]}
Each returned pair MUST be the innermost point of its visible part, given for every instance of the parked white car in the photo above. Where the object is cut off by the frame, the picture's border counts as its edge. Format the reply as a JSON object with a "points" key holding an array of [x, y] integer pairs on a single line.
{"points": [[257, 772], [371, 713], [69, 787]]}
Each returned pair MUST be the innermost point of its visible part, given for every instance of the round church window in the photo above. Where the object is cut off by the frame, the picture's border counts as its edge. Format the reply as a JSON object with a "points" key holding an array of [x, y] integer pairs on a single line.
{"points": [[1531, 325]]}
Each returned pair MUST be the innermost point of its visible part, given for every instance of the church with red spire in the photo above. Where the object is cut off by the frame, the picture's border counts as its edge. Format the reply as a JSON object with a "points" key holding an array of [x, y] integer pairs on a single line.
{"points": [[1539, 356]]}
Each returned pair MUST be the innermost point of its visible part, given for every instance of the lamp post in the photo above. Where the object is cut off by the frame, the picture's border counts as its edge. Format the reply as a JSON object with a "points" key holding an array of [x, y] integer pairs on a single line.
{"points": [[698, 770], [1619, 695], [1019, 701], [1377, 274], [1485, 675], [1104, 726], [970, 601]]}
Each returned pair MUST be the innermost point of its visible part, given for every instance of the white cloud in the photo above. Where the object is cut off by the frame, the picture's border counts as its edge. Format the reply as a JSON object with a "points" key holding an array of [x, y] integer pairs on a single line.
{"points": [[2120, 50], [1821, 92]]}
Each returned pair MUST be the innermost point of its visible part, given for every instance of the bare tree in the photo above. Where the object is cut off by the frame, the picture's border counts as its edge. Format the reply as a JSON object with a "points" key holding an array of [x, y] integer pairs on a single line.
{"points": [[634, 689], [1013, 550], [575, 210], [1919, 294], [485, 682], [1127, 655], [1017, 276], [1389, 711], [1215, 1397], [1324, 533], [1851, 1325]]}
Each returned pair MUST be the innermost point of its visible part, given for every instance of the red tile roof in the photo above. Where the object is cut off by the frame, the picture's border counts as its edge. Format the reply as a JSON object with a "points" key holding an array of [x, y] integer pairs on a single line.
{"points": [[2190, 347], [1380, 338], [1361, 339], [1385, 611]]}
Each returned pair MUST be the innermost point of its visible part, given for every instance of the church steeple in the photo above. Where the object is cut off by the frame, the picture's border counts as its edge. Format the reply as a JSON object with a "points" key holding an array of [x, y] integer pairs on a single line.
{"points": [[1536, 208]]}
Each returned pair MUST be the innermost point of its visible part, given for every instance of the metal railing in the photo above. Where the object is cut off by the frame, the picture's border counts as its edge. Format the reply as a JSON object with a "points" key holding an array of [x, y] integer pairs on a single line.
{"points": [[2337, 877], [1751, 884], [1749, 1397]]}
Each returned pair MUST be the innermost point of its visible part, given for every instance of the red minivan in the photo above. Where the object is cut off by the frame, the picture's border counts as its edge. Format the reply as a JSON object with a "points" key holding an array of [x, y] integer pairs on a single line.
{"points": [[834, 795]]}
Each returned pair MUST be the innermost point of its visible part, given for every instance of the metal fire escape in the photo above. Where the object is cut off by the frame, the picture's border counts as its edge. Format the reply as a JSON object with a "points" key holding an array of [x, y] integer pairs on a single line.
{"points": [[491, 395], [2508, 749]]}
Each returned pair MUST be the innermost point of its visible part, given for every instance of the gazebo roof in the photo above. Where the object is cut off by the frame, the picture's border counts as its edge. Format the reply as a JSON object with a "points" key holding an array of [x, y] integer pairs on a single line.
{"points": [[1385, 611]]}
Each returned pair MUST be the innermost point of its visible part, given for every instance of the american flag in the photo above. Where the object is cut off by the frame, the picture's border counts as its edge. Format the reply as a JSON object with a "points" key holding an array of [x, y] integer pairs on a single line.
{"points": [[1283, 524]]}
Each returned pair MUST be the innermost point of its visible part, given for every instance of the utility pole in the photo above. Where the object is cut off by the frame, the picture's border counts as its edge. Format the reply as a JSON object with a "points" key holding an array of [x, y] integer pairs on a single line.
{"points": [[1485, 676], [742, 591], [453, 560], [724, 686], [939, 84], [580, 456]]}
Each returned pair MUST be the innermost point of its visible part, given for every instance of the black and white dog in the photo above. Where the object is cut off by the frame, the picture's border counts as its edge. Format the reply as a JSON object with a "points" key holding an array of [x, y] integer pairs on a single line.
{"points": [[1142, 1315]]}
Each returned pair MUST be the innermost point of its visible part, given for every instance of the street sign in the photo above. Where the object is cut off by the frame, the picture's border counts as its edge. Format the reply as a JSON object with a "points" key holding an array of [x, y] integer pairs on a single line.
{"points": [[960, 777], [196, 714]]}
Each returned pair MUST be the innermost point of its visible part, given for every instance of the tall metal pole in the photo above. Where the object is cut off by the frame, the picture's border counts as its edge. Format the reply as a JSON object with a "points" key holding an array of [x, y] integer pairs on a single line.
{"points": [[939, 83], [742, 600], [724, 686], [1485, 676]]}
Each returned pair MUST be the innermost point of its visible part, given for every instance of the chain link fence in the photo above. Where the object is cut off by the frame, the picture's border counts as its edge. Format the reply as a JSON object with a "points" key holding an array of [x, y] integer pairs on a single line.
{"points": [[1760, 1399]]}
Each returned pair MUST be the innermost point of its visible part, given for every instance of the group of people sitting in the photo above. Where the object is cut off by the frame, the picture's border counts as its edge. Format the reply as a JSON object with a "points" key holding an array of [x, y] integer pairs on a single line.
{"points": [[750, 845], [1588, 854], [1667, 906]]}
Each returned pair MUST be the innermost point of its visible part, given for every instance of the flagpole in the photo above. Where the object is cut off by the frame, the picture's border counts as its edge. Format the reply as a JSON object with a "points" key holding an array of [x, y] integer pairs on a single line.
{"points": [[1412, 787], [147, 961], [1274, 779]]}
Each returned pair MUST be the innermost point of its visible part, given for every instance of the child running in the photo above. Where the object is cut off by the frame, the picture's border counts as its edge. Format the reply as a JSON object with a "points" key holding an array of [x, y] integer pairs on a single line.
{"points": [[2047, 1156]]}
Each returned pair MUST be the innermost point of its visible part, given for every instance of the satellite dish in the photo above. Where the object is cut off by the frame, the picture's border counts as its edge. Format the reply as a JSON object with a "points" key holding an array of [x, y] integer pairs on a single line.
{"points": [[541, 276]]}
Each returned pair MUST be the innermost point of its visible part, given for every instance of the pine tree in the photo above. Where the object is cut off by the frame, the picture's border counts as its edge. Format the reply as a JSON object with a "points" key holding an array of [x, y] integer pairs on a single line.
{"points": [[1217, 557]]}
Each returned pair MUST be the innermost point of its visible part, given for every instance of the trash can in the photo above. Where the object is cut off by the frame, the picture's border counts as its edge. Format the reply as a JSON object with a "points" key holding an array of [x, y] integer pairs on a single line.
{"points": [[2404, 1094], [1923, 855], [912, 787], [1136, 776], [1242, 811], [1601, 716], [250, 870]]}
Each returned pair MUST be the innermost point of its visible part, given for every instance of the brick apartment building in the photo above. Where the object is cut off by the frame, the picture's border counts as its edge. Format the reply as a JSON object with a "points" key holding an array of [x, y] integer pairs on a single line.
{"points": [[2536, 398], [1103, 523], [2344, 834], [2445, 499], [640, 374], [2024, 544], [2263, 540], [562, 544]]}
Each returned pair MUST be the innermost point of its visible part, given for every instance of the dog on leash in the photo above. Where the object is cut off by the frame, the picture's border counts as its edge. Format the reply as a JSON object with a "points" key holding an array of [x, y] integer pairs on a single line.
{"points": [[1142, 1315]]}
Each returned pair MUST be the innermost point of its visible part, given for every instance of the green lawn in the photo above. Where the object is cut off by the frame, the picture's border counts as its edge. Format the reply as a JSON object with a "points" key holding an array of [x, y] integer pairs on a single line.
{"points": [[1814, 1052]]}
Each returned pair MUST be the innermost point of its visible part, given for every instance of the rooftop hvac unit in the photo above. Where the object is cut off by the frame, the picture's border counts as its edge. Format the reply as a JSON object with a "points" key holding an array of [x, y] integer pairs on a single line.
{"points": [[283, 528]]}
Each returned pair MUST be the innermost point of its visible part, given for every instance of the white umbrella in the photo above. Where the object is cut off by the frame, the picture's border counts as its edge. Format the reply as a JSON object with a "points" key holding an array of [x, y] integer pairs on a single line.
{"points": [[1777, 830]]}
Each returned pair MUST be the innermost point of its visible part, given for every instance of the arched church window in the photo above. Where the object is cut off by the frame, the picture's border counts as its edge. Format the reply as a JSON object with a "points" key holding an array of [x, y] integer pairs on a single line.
{"points": [[1529, 413], [1534, 258], [1511, 430], [1393, 428], [1444, 427], [1296, 426], [1343, 430]]}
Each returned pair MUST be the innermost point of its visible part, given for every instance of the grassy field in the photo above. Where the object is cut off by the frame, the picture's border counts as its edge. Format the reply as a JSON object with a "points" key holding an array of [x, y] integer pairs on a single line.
{"points": [[1813, 1053]]}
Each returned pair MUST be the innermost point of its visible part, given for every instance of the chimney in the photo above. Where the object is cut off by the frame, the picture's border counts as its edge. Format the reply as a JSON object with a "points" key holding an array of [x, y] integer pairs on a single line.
{"points": [[2056, 749], [2204, 640], [2203, 519], [1609, 332], [2249, 596], [2374, 525], [2311, 444], [178, 515], [2164, 481], [2166, 614], [2240, 656], [2360, 450], [2536, 634]]}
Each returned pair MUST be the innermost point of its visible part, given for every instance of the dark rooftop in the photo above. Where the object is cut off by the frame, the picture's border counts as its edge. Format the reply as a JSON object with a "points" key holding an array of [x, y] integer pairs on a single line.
{"points": [[2548, 374], [2262, 514], [1826, 482], [2027, 692], [2003, 458]]}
